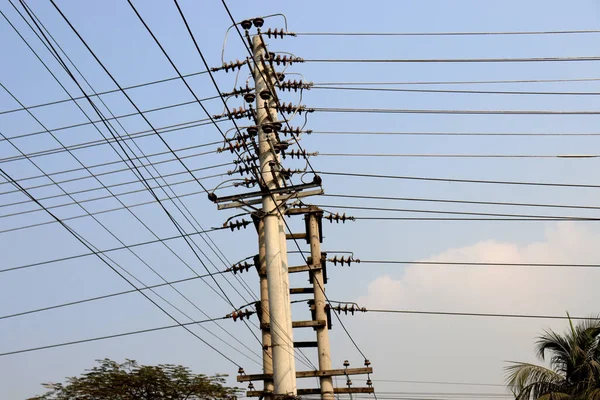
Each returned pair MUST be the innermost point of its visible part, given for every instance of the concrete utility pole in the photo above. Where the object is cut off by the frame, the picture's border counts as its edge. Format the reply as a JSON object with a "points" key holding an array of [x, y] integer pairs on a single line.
{"points": [[313, 220], [280, 316], [277, 188], [267, 354]]}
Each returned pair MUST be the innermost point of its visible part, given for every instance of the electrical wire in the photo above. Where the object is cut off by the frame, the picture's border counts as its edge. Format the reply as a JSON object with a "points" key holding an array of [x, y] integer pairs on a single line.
{"points": [[132, 213], [109, 250], [459, 112], [458, 60], [278, 210], [122, 183], [191, 35], [480, 264], [481, 181], [558, 80], [557, 32], [106, 296], [51, 346], [507, 134], [495, 203], [503, 156], [410, 210], [440, 382], [454, 91], [94, 250], [468, 314]]}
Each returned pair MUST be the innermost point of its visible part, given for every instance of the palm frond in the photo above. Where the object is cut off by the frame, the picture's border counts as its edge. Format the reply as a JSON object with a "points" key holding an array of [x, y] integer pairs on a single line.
{"points": [[529, 381]]}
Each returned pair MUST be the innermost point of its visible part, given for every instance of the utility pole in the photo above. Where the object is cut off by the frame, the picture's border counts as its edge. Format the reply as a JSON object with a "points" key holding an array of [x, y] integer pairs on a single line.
{"points": [[280, 315], [313, 222], [261, 143]]}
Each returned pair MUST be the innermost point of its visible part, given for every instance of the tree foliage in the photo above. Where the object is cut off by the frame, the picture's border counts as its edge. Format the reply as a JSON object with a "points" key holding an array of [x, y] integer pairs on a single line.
{"points": [[130, 381], [574, 372]]}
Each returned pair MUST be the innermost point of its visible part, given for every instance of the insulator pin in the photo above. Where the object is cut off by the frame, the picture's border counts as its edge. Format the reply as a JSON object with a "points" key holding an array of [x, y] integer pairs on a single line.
{"points": [[290, 108], [241, 314], [343, 260], [239, 267], [247, 182], [294, 131], [241, 170], [285, 59], [278, 33], [347, 308], [237, 64], [337, 218], [238, 92], [295, 85], [233, 225]]}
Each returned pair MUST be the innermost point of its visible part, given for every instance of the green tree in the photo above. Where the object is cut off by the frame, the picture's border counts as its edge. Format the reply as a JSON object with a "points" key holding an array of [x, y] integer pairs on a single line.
{"points": [[574, 372], [130, 381]]}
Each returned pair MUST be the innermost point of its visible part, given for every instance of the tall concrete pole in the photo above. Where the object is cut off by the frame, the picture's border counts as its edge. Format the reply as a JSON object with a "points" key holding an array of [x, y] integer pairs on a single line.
{"points": [[267, 353], [320, 302], [280, 316]]}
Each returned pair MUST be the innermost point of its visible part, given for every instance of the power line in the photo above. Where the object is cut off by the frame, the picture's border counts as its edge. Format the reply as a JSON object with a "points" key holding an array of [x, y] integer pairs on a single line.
{"points": [[468, 314], [439, 382], [475, 219], [112, 249], [95, 252], [454, 91], [108, 186], [458, 60], [552, 156], [495, 203], [106, 296], [459, 112], [51, 346], [410, 210], [507, 134], [418, 178], [480, 264], [486, 82], [557, 32], [97, 94]]}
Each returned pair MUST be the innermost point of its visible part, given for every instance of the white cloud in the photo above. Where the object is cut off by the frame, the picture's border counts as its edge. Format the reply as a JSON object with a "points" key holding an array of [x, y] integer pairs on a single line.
{"points": [[474, 349]]}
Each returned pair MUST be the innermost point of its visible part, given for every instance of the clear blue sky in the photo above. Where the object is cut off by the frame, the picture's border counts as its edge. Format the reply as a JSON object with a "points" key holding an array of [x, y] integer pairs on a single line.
{"points": [[399, 347]]}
